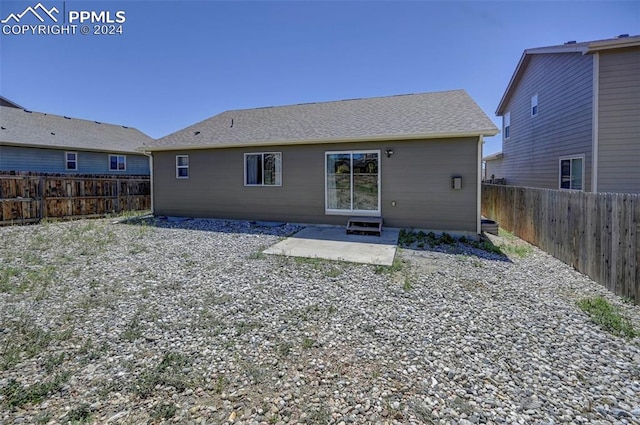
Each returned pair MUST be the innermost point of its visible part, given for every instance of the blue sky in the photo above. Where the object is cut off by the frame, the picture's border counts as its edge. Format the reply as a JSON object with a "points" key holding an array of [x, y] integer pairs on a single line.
{"points": [[178, 62]]}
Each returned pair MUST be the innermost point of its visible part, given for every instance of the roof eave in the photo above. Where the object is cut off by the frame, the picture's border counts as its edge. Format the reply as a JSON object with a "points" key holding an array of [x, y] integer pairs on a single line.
{"points": [[476, 133], [619, 43], [69, 148], [493, 156]]}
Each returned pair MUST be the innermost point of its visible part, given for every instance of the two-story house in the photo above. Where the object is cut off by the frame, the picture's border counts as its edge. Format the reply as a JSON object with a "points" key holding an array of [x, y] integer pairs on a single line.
{"points": [[571, 118]]}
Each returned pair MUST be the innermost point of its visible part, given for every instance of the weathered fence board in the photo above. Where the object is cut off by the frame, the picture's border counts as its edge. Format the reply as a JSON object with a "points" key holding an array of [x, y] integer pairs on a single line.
{"points": [[596, 233], [30, 198]]}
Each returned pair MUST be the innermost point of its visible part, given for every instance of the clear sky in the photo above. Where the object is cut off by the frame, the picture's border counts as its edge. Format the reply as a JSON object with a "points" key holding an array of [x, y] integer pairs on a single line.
{"points": [[178, 62]]}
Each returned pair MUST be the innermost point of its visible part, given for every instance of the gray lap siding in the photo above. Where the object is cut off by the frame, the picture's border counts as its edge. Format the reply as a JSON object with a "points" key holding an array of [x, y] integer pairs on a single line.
{"points": [[619, 122], [417, 177], [563, 126]]}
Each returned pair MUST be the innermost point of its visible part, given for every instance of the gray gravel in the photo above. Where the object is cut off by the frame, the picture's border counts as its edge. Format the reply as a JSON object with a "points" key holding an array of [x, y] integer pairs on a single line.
{"points": [[188, 322]]}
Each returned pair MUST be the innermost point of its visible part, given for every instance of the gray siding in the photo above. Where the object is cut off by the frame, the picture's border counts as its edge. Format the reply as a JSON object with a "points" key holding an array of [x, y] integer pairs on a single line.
{"points": [[563, 126], [619, 121], [417, 177], [15, 158]]}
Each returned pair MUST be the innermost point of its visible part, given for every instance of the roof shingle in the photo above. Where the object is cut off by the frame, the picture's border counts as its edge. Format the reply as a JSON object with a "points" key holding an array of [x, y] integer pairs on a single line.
{"points": [[425, 115], [20, 127]]}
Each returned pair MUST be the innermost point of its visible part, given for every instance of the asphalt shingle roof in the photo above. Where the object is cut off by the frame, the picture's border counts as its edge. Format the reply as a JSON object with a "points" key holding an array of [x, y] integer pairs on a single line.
{"points": [[394, 117], [19, 127]]}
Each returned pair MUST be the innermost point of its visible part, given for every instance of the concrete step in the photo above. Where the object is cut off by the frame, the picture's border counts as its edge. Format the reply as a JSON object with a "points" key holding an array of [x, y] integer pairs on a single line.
{"points": [[365, 225]]}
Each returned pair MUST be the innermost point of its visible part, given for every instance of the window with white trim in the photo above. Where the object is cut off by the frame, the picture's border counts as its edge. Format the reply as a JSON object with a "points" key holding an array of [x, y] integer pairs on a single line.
{"points": [[71, 161], [182, 166], [572, 173], [263, 169], [352, 182], [534, 105], [507, 125], [117, 163]]}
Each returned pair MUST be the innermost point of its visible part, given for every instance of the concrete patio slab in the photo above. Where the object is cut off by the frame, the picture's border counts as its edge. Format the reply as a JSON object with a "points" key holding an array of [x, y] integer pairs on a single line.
{"points": [[333, 243]]}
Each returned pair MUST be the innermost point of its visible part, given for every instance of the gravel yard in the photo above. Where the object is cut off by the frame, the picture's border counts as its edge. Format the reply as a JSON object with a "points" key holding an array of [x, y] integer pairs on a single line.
{"points": [[189, 322]]}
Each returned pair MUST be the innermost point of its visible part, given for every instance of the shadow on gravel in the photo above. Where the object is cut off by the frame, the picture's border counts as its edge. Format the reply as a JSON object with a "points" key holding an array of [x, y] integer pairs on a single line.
{"points": [[445, 243], [214, 225]]}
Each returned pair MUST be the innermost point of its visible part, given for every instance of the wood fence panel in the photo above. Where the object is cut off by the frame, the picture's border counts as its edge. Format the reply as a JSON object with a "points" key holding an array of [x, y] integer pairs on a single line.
{"points": [[32, 197], [596, 233]]}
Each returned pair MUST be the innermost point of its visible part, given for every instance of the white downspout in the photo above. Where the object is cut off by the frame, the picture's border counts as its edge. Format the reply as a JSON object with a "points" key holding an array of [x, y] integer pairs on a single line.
{"points": [[150, 155], [479, 188], [594, 120]]}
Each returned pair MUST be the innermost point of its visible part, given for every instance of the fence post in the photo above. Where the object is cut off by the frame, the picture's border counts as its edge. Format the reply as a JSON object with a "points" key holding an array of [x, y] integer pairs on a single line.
{"points": [[117, 203], [40, 198]]}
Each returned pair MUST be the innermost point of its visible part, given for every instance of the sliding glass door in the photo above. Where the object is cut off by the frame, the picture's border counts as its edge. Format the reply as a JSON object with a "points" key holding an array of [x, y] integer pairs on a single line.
{"points": [[352, 182]]}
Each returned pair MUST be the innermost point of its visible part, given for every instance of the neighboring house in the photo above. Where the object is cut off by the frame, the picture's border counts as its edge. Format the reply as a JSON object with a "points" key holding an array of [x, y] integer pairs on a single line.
{"points": [[413, 160], [46, 143], [571, 118], [492, 167]]}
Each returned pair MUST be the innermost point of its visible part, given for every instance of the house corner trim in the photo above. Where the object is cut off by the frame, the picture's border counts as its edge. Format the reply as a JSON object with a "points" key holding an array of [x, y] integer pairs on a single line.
{"points": [[594, 120]]}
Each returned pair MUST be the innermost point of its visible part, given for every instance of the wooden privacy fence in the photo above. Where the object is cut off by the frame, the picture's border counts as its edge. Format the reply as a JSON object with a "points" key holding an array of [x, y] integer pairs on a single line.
{"points": [[30, 198], [596, 233]]}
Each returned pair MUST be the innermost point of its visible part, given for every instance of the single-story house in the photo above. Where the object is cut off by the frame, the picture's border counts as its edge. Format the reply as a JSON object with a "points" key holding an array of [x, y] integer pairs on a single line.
{"points": [[47, 143], [413, 160]]}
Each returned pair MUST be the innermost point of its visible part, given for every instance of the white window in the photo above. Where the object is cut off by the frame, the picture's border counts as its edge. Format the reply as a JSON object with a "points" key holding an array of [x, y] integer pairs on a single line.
{"points": [[263, 169], [507, 125], [117, 162], [71, 160], [352, 182], [534, 105], [572, 173], [182, 166]]}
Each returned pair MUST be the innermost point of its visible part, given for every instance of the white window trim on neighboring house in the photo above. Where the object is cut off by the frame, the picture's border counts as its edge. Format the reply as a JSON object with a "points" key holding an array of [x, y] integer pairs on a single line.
{"points": [[534, 105], [278, 169], [124, 162], [571, 158], [67, 160], [182, 167], [351, 211], [507, 124]]}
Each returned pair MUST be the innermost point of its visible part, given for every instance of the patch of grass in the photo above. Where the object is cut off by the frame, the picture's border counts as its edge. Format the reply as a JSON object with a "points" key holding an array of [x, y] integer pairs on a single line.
{"points": [[16, 395], [308, 343], [244, 327], [608, 317], [52, 361], [333, 272], [396, 266], [43, 417], [133, 329], [80, 414], [321, 416], [163, 411], [26, 341], [284, 349], [407, 285], [7, 274], [259, 254], [220, 384], [167, 373]]}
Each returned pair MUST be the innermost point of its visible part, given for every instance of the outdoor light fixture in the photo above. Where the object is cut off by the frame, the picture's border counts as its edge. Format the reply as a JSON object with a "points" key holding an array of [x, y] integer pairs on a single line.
{"points": [[389, 152]]}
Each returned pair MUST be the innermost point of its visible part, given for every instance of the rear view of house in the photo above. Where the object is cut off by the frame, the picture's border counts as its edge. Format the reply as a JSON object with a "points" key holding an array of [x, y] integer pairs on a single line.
{"points": [[413, 160], [571, 118], [46, 143]]}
